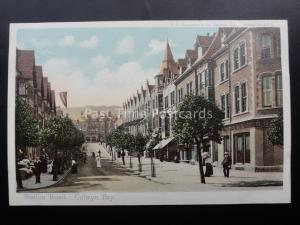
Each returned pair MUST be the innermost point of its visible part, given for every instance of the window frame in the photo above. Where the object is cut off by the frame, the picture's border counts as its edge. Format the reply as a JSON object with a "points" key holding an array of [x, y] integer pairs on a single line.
{"points": [[270, 90], [263, 49]]}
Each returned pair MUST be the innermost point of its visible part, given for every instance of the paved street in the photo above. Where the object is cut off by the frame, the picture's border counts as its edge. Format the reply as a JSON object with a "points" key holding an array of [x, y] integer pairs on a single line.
{"points": [[114, 177]]}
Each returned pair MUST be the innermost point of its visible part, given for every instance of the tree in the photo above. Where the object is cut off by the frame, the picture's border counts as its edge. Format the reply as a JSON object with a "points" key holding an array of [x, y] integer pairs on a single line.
{"points": [[140, 144], [153, 140], [200, 121], [26, 130], [276, 132], [60, 133], [26, 125]]}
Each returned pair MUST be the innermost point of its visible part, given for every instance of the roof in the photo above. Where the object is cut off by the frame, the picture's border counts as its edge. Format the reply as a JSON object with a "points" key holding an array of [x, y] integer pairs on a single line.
{"points": [[181, 62], [191, 53], [39, 77], [234, 33], [25, 63], [204, 41], [163, 143], [168, 62]]}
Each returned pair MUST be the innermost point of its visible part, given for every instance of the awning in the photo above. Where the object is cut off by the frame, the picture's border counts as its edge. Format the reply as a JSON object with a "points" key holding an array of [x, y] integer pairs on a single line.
{"points": [[163, 143]]}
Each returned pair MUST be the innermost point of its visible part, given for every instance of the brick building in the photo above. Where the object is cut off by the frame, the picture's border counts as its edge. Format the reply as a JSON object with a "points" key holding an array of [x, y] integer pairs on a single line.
{"points": [[240, 70]]}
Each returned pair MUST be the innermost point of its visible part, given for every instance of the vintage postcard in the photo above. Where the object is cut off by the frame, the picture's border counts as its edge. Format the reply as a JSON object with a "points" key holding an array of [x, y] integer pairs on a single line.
{"points": [[149, 113]]}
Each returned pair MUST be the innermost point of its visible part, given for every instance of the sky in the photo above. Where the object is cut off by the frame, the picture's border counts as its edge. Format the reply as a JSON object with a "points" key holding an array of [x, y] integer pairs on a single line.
{"points": [[106, 65]]}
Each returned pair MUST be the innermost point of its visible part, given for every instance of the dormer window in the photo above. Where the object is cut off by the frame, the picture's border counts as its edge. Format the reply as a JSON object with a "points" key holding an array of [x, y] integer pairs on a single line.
{"points": [[200, 51]]}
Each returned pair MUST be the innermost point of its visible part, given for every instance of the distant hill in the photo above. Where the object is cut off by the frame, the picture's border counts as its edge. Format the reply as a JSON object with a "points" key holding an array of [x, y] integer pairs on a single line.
{"points": [[75, 112]]}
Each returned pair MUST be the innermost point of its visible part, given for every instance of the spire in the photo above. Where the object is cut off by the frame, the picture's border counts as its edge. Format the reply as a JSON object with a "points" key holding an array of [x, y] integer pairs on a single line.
{"points": [[168, 59]]}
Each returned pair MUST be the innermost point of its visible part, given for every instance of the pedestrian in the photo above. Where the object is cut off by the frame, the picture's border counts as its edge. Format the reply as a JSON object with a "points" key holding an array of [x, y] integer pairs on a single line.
{"points": [[44, 160], [123, 156], [226, 164], [93, 155], [208, 166], [98, 161], [37, 170], [99, 152], [74, 166]]}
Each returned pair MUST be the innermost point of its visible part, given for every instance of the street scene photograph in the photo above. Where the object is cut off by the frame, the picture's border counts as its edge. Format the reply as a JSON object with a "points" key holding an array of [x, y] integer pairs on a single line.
{"points": [[156, 108]]}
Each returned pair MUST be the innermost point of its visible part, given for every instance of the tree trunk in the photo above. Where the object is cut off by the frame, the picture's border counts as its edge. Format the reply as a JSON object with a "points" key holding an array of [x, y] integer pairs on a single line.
{"points": [[112, 154], [140, 163], [153, 172], [202, 177], [130, 161], [55, 164]]}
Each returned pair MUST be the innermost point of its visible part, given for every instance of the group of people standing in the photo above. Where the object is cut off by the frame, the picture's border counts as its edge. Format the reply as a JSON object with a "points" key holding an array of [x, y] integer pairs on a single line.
{"points": [[226, 163]]}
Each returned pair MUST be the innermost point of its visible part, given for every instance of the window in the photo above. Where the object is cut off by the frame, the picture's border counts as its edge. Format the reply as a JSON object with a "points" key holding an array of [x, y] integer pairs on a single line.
{"points": [[279, 90], [243, 97], [237, 99], [222, 72], [278, 45], [226, 69], [225, 105], [239, 56], [22, 89], [236, 64], [199, 81], [267, 90], [172, 98], [242, 148], [242, 54], [180, 95], [189, 88], [240, 93], [166, 102], [226, 144], [265, 46]]}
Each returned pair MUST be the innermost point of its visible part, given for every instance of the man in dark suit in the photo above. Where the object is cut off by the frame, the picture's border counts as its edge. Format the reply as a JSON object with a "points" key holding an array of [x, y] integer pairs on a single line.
{"points": [[37, 170], [226, 164]]}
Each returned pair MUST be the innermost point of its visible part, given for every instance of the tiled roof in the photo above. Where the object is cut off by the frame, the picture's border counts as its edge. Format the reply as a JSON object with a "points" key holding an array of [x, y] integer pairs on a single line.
{"points": [[204, 41], [182, 62], [39, 77], [191, 53], [25, 63]]}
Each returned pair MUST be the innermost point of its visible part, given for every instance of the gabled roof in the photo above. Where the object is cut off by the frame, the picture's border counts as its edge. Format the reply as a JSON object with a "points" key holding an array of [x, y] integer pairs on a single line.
{"points": [[39, 77], [25, 63], [204, 41], [191, 53], [182, 62]]}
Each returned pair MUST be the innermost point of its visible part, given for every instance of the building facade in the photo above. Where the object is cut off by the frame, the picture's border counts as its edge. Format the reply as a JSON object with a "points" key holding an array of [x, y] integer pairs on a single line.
{"points": [[34, 88], [239, 69]]}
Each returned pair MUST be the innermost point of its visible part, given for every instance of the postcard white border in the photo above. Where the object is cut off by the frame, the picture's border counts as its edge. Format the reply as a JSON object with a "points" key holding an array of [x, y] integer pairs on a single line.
{"points": [[150, 198]]}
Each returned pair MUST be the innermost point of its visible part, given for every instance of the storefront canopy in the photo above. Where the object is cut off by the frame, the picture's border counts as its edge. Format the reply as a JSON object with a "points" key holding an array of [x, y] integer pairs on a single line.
{"points": [[163, 143]]}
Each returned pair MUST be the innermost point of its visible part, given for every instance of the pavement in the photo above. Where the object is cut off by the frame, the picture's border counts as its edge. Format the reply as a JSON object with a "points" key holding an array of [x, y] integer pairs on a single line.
{"points": [[188, 174], [170, 177], [46, 181]]}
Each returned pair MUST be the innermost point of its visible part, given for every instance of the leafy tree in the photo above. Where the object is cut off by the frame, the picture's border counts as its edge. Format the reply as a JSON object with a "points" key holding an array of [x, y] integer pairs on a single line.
{"points": [[153, 140], [60, 133], [26, 125], [198, 120], [140, 147], [276, 133], [26, 128]]}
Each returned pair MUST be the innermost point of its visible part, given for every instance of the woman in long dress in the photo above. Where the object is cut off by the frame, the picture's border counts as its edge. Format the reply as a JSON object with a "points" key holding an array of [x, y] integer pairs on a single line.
{"points": [[98, 161]]}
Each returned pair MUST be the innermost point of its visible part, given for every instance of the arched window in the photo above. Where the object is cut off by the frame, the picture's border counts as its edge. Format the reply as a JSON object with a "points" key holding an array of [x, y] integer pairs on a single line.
{"points": [[265, 46]]}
